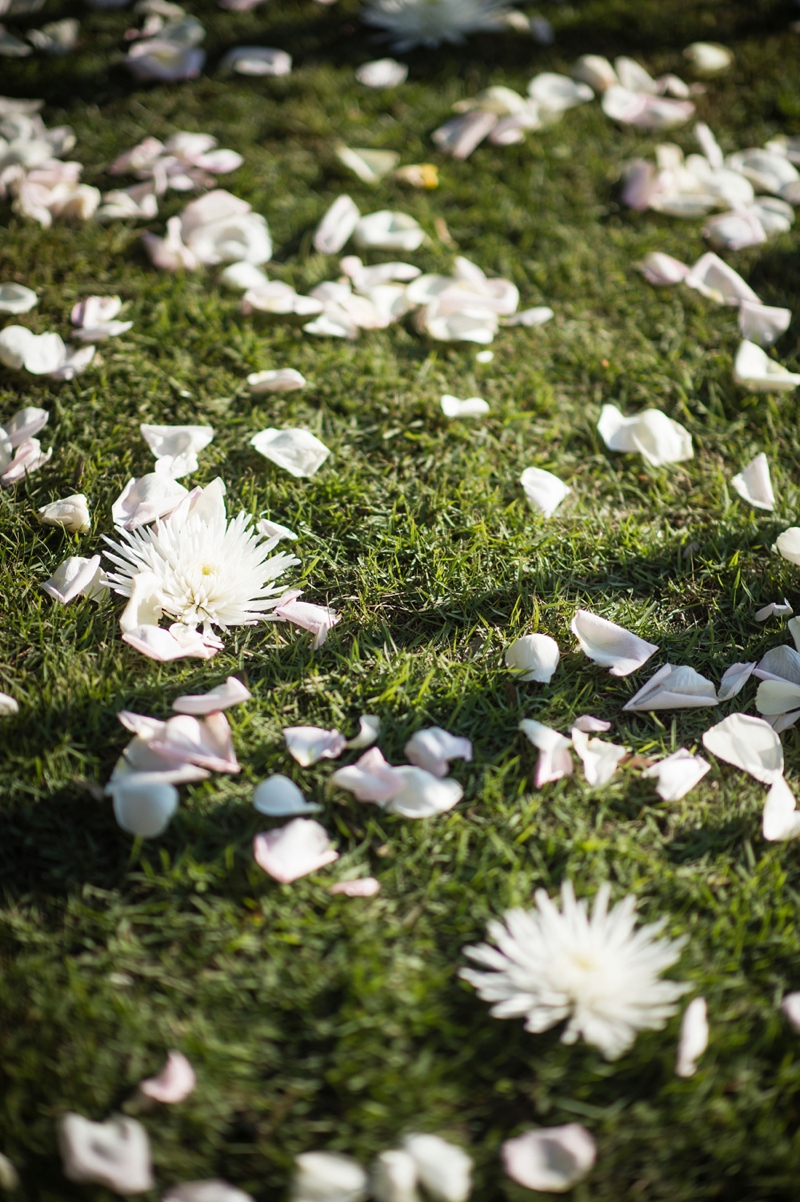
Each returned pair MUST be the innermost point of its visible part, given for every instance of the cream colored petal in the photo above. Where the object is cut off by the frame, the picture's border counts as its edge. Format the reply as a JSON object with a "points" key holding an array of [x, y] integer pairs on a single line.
{"points": [[308, 744], [754, 484], [754, 370], [534, 656], [600, 759], [434, 748], [423, 795], [748, 743], [443, 1169], [544, 490], [762, 324], [677, 774], [693, 1039], [609, 645]]}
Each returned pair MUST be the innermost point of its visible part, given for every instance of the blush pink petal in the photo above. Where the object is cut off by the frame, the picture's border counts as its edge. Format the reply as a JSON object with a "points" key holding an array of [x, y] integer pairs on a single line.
{"points": [[370, 778], [307, 744], [162, 645], [365, 886], [319, 619], [174, 1083], [205, 743], [232, 692], [294, 850]]}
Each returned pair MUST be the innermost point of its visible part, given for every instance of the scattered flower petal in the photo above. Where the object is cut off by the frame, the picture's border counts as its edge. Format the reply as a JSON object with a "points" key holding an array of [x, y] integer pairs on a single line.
{"points": [[328, 1177], [791, 1008], [693, 1038], [754, 370], [673, 688], [748, 743], [754, 485], [677, 774], [591, 725], [422, 795], [257, 60], [370, 778], [298, 452], [286, 379], [369, 165], [337, 226], [16, 299], [534, 656], [550, 1159], [174, 1083], [788, 544], [72, 513], [733, 680], [433, 748], [780, 820], [307, 744], [386, 230], [175, 447], [610, 645], [294, 850], [444, 1169], [544, 490], [708, 58], [365, 886], [232, 692], [115, 1154], [142, 501], [279, 797], [319, 619], [554, 760], [775, 609], [382, 73], [660, 269], [206, 1191], [762, 324], [712, 277], [369, 730], [599, 759], [655, 436], [77, 577], [473, 406]]}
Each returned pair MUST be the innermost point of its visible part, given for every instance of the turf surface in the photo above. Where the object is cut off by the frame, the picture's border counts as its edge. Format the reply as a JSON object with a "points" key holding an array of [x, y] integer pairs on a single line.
{"points": [[315, 1021]]}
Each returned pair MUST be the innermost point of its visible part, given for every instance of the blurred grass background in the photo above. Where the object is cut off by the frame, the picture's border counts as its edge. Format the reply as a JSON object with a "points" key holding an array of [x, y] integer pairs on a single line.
{"points": [[315, 1021]]}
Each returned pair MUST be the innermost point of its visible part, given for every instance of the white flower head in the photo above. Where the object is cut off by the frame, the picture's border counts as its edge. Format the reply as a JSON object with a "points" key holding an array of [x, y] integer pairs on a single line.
{"points": [[431, 22], [207, 570], [596, 970]]}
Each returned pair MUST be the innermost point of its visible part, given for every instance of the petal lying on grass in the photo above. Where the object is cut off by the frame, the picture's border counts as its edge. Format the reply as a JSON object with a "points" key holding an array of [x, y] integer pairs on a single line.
{"points": [[72, 513], [274, 530], [167, 645], [8, 705], [734, 679], [77, 577], [754, 370], [599, 759], [369, 165], [775, 609], [673, 688], [308, 744], [596, 71], [328, 1177], [206, 743], [176, 447], [762, 324], [319, 619], [24, 424], [554, 760], [280, 797], [708, 58], [213, 1190], [677, 774], [748, 743], [9, 1177], [164, 61], [539, 315], [777, 697], [16, 298], [634, 77], [29, 458], [382, 73], [433, 748], [143, 808], [791, 1008], [115, 1153], [370, 778], [243, 275], [294, 850], [766, 170], [712, 277], [232, 692], [337, 226], [95, 310], [444, 1169], [657, 438], [170, 253], [386, 230], [610, 645], [534, 657], [364, 886], [550, 1159], [544, 490], [591, 725], [39, 354], [298, 452], [780, 820], [394, 1177], [693, 1039], [368, 732], [788, 544], [780, 663], [257, 61], [285, 379], [754, 484], [423, 795], [459, 136], [735, 230], [174, 1083], [660, 269], [473, 406], [557, 93]]}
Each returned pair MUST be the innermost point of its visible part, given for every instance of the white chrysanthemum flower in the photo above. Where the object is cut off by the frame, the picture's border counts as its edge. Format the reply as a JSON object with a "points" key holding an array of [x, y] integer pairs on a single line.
{"points": [[596, 970], [429, 22], [204, 569]]}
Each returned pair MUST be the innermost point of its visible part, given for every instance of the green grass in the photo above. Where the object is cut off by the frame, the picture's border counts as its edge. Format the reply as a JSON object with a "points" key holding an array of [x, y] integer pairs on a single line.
{"points": [[320, 1022]]}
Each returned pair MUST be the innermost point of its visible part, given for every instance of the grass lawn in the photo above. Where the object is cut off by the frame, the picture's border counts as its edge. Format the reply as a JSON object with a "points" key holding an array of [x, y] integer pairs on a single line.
{"points": [[316, 1021]]}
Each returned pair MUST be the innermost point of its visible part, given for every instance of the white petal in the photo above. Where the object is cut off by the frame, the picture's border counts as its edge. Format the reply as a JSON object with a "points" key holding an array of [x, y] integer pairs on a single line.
{"points": [[307, 744], [286, 379], [551, 1159], [767, 171], [9, 1177], [754, 369], [734, 679], [144, 810], [164, 646], [557, 93], [712, 277], [775, 609], [754, 484], [232, 692], [369, 730], [780, 820], [677, 774], [433, 748], [762, 324], [175, 447], [294, 850], [660, 269], [8, 705], [633, 76], [473, 406], [788, 544], [708, 58], [25, 424], [534, 656], [76, 577], [336, 226], [555, 760], [394, 1175], [72, 513], [596, 71], [275, 530], [16, 298], [382, 73], [257, 60], [693, 1038], [370, 779], [144, 500], [328, 1177], [369, 165], [591, 725], [537, 316], [777, 697], [364, 886], [115, 1154], [610, 645], [243, 275], [206, 1191], [657, 437], [791, 1008], [748, 743], [386, 230], [735, 231], [298, 452], [544, 490], [39, 354], [280, 797], [444, 1169], [423, 795], [174, 1083], [673, 688], [459, 136], [600, 759]]}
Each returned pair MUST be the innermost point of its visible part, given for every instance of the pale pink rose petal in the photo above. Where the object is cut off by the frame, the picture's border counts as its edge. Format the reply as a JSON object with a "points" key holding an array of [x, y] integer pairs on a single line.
{"points": [[174, 1083], [370, 778], [294, 850], [170, 253], [144, 500], [28, 458], [25, 424], [307, 744], [140, 158], [590, 725], [433, 748], [232, 692], [95, 310], [365, 886], [319, 619], [554, 760], [206, 743], [660, 269], [162, 645]]}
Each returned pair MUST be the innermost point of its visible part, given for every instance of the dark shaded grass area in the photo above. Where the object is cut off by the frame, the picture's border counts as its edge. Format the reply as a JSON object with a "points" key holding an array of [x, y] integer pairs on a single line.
{"points": [[322, 1022]]}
